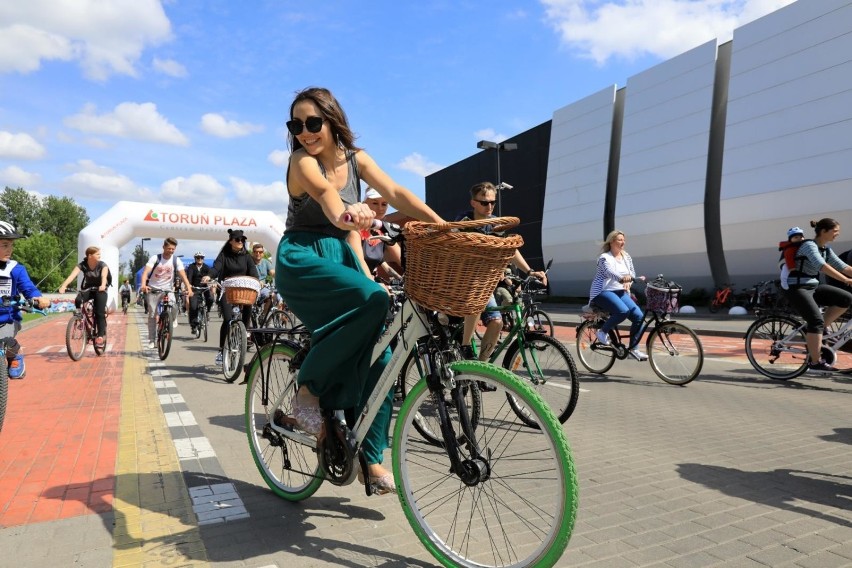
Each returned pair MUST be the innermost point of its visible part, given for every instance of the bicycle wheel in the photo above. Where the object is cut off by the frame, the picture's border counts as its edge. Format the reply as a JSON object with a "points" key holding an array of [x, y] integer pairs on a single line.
{"points": [[164, 335], [675, 353], [595, 357], [234, 352], [541, 323], [550, 370], [4, 388], [426, 421], [278, 318], [202, 326], [517, 506], [290, 469], [772, 357], [76, 338]]}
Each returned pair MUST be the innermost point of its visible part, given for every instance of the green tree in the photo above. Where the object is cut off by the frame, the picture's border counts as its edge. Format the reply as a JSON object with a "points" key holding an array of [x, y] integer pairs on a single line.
{"points": [[137, 262], [20, 208], [40, 255], [62, 217]]}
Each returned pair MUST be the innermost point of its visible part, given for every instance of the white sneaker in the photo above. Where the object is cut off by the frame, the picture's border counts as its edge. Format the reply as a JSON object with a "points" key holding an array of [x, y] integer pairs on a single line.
{"points": [[603, 338], [637, 354], [175, 324], [152, 345], [219, 358]]}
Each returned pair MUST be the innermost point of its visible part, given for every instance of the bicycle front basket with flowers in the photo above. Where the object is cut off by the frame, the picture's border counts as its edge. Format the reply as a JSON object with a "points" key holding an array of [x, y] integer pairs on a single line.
{"points": [[241, 290], [663, 296], [452, 268]]}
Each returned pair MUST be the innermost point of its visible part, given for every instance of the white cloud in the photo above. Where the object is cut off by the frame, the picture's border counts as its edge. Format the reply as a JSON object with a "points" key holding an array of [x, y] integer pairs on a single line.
{"points": [[20, 146], [217, 125], [489, 134], [272, 196], [128, 120], [418, 164], [629, 29], [279, 158], [92, 181], [198, 189], [15, 177], [105, 36], [169, 67]]}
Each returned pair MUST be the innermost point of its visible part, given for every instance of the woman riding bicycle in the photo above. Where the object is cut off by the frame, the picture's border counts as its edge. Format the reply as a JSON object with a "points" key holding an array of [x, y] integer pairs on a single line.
{"points": [[806, 294], [319, 269], [610, 291], [95, 275], [233, 260]]}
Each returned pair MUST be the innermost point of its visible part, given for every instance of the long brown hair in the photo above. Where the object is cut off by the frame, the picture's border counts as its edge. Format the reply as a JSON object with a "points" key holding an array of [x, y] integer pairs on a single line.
{"points": [[331, 111]]}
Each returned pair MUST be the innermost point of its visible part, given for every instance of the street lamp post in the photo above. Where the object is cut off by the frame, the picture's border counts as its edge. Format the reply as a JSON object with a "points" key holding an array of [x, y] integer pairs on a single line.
{"points": [[498, 147]]}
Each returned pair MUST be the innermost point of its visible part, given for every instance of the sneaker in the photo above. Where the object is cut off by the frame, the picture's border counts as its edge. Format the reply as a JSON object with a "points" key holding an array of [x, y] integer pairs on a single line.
{"points": [[603, 338], [175, 324], [17, 369], [99, 341], [193, 330], [467, 352], [219, 358], [152, 345], [819, 368], [638, 354]]}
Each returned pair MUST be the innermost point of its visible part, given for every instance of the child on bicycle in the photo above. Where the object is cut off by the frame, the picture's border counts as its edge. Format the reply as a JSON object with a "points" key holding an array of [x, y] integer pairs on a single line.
{"points": [[14, 280]]}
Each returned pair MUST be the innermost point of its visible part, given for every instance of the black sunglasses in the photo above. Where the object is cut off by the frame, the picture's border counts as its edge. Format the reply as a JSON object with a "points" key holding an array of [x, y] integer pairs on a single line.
{"points": [[313, 124], [485, 203]]}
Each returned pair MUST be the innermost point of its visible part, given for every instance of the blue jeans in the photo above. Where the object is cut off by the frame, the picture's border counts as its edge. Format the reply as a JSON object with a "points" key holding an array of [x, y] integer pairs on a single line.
{"points": [[620, 306]]}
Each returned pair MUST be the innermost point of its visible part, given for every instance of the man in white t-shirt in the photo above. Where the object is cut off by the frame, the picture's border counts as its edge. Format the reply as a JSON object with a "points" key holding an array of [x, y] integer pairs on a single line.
{"points": [[162, 268]]}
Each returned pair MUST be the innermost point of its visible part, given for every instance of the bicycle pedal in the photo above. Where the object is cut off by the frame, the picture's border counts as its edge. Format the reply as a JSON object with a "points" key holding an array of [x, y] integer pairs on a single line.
{"points": [[283, 420]]}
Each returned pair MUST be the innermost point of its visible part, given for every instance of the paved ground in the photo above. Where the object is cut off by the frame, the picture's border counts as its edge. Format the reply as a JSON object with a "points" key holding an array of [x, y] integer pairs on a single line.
{"points": [[123, 461]]}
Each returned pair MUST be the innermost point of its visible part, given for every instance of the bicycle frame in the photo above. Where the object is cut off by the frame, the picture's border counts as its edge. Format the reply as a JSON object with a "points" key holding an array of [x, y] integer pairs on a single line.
{"points": [[515, 333], [409, 326]]}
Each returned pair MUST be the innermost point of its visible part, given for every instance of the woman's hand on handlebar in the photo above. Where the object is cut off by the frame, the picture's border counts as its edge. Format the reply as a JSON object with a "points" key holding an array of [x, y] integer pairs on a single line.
{"points": [[356, 217]]}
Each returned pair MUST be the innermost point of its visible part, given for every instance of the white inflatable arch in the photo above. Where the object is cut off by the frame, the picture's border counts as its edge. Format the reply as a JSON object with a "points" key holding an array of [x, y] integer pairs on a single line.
{"points": [[127, 221]]}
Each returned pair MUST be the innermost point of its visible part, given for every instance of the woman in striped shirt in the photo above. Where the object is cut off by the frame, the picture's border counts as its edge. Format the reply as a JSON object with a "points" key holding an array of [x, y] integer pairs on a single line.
{"points": [[611, 292]]}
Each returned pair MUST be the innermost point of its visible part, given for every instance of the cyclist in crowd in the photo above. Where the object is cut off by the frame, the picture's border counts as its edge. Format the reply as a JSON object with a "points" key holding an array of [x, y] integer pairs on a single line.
{"points": [[160, 272], [14, 280], [195, 274], [806, 294], [610, 291], [265, 269], [318, 269], [377, 253], [125, 291], [232, 260], [95, 275], [483, 197]]}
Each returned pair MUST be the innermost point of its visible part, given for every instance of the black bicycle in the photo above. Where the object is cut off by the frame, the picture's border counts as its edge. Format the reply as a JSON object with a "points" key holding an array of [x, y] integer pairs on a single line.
{"points": [[164, 322], [203, 318], [674, 351], [24, 306]]}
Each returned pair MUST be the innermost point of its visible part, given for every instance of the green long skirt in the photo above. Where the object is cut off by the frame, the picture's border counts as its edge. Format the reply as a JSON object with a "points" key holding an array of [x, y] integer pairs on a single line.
{"points": [[320, 278]]}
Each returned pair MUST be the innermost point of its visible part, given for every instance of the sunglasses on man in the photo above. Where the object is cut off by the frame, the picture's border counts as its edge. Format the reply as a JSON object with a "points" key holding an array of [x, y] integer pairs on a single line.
{"points": [[485, 203], [313, 124]]}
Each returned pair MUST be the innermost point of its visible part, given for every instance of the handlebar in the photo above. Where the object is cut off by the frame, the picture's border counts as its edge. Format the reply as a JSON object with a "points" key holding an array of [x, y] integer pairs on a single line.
{"points": [[21, 304]]}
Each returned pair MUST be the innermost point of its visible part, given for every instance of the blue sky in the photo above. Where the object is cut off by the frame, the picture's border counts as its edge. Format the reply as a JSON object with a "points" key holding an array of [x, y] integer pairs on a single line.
{"points": [[184, 101]]}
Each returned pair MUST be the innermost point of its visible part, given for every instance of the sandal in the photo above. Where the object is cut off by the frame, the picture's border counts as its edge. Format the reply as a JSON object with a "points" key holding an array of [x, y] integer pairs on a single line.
{"points": [[308, 418], [379, 485]]}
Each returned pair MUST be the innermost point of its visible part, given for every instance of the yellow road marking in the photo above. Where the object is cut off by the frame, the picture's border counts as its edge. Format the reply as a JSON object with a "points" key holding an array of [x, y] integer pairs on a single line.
{"points": [[154, 521]]}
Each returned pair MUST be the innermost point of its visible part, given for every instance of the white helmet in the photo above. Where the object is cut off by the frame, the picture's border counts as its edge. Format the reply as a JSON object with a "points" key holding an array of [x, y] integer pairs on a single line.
{"points": [[199, 253], [7, 231]]}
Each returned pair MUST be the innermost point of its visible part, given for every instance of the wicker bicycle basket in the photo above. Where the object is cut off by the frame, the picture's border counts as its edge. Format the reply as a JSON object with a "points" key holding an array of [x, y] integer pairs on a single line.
{"points": [[452, 268], [661, 299], [241, 290]]}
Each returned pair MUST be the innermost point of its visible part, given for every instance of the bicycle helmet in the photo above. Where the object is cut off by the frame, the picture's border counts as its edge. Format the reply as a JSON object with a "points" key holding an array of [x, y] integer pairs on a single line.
{"points": [[7, 231], [794, 231], [199, 253]]}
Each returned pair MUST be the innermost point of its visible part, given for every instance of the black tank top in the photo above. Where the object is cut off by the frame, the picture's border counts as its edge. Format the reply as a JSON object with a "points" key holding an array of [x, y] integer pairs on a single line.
{"points": [[305, 214]]}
